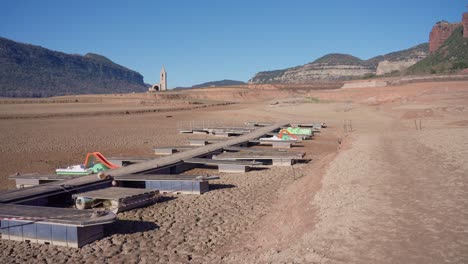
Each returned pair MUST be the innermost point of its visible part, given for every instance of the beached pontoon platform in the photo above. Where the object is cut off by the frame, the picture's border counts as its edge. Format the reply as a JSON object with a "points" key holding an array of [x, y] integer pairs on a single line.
{"points": [[168, 183], [55, 226], [32, 179], [16, 208], [229, 166], [275, 157], [117, 199], [275, 143]]}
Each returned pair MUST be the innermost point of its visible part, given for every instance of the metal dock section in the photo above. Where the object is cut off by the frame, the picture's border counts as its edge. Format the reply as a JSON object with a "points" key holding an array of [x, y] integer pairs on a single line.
{"points": [[49, 225], [117, 199], [170, 183], [277, 158], [33, 179], [41, 195]]}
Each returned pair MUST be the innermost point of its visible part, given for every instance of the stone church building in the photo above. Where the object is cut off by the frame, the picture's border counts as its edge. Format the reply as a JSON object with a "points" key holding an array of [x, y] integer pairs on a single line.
{"points": [[162, 85]]}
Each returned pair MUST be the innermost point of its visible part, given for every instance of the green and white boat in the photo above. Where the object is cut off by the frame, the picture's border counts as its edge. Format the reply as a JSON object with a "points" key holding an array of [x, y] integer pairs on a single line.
{"points": [[74, 170]]}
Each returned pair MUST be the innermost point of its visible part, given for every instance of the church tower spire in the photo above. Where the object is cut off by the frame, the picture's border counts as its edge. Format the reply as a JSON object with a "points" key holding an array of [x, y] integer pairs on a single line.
{"points": [[163, 80]]}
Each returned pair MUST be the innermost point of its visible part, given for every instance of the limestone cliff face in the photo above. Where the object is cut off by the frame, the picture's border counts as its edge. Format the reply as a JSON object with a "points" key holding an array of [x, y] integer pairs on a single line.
{"points": [[312, 72], [327, 68], [386, 66], [339, 67], [400, 60], [324, 71]]}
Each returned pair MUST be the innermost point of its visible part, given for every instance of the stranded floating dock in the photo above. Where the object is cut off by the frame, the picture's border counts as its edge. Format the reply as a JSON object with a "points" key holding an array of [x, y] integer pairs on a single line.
{"points": [[170, 183], [25, 217], [50, 225]]}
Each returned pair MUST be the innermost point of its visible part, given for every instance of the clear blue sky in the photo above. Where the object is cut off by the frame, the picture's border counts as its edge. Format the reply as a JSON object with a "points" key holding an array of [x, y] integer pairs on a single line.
{"points": [[201, 41]]}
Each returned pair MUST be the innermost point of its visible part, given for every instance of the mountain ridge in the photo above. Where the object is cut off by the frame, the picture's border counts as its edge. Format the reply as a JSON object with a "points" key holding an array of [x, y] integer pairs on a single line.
{"points": [[450, 57], [28, 70], [338, 66]]}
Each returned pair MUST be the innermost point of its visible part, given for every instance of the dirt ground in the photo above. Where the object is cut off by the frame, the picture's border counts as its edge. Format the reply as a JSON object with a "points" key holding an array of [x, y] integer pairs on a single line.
{"points": [[377, 190]]}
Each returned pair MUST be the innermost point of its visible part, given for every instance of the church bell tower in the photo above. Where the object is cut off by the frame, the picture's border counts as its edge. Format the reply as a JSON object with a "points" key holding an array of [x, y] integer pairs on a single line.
{"points": [[163, 80]]}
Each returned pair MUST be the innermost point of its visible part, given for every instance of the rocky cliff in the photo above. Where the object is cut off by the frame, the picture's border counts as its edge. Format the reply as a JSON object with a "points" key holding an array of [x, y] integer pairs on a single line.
{"points": [[440, 33], [33, 71], [465, 25], [339, 67], [327, 68], [401, 60], [448, 49], [450, 57]]}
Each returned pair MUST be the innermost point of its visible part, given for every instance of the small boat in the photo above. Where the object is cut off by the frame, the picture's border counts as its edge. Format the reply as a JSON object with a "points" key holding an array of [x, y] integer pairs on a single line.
{"points": [[74, 170], [95, 162], [283, 135]]}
